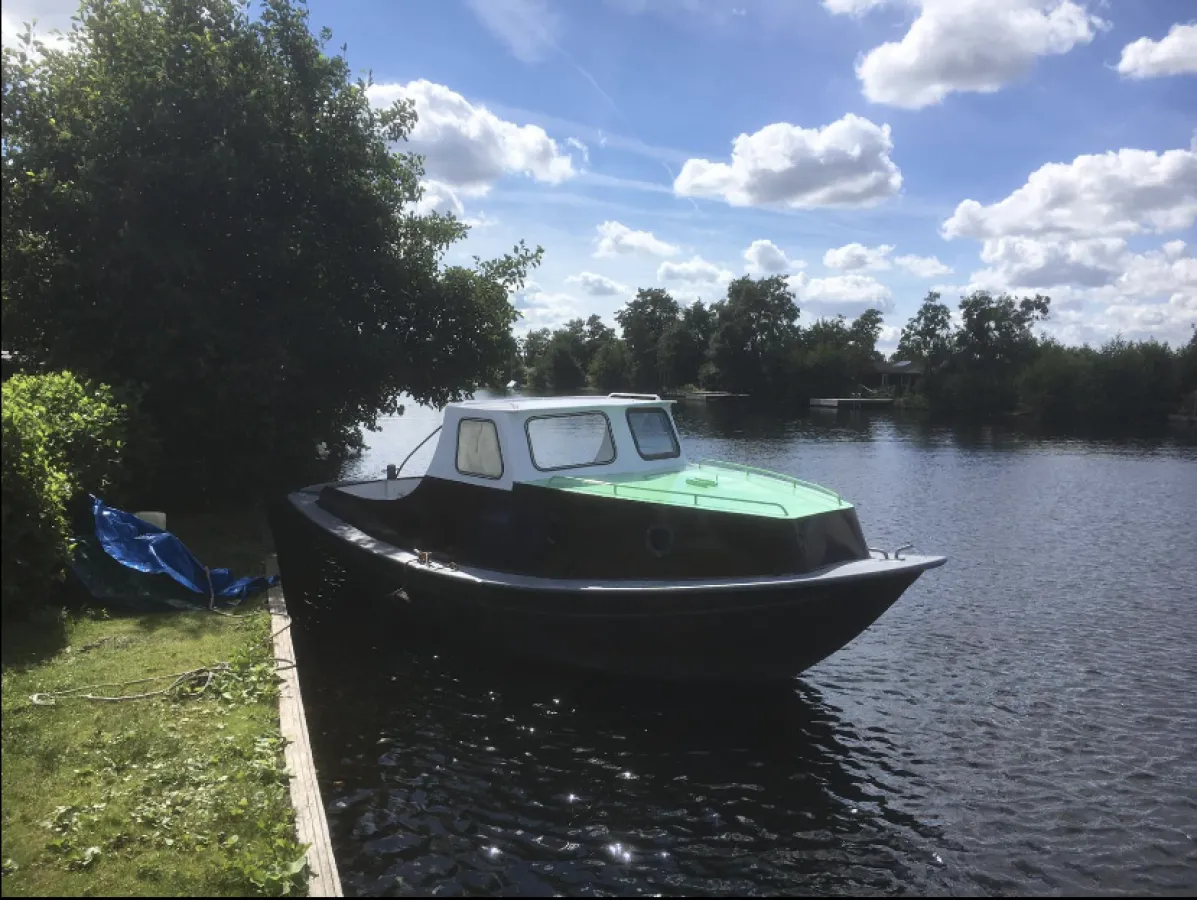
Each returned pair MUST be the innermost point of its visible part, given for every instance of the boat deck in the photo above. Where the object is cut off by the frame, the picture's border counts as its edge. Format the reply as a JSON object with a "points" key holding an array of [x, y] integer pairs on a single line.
{"points": [[725, 487]]}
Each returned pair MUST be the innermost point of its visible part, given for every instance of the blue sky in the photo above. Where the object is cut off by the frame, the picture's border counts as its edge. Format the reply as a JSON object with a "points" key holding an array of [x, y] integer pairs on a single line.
{"points": [[664, 143]]}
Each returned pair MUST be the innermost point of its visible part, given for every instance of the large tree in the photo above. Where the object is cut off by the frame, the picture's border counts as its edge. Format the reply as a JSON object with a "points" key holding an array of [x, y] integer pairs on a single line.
{"points": [[204, 205], [755, 330], [644, 319], [683, 347], [927, 337]]}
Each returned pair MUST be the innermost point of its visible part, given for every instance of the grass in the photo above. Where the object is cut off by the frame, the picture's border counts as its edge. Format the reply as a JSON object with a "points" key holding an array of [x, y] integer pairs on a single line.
{"points": [[183, 796]]}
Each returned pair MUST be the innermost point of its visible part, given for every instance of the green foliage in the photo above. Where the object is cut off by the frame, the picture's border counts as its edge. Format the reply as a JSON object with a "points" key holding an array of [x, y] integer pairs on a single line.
{"points": [[977, 371], [1058, 384], [611, 368], [533, 346], [995, 363], [1135, 380], [682, 348], [203, 203], [644, 320], [560, 369], [61, 436], [563, 360], [755, 330], [1188, 364], [927, 337]]}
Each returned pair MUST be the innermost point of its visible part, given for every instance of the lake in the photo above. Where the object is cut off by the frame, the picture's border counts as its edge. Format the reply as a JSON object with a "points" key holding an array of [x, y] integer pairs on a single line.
{"points": [[1022, 720]]}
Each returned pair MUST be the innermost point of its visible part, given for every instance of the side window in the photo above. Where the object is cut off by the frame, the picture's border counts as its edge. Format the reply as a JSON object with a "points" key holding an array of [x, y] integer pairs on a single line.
{"points": [[478, 450], [653, 433], [570, 440]]}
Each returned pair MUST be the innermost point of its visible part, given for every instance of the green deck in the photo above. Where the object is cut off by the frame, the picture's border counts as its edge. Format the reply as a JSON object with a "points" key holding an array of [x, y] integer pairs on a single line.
{"points": [[709, 485]]}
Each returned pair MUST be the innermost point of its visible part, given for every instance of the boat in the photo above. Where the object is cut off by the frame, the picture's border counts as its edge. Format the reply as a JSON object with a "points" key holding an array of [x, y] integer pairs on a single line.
{"points": [[575, 530]]}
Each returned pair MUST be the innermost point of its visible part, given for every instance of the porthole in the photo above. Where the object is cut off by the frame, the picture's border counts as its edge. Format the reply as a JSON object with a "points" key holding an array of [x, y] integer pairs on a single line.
{"points": [[659, 540]]}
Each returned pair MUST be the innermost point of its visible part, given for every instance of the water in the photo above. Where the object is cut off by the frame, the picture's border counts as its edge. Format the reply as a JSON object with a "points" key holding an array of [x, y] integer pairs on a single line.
{"points": [[1023, 720]]}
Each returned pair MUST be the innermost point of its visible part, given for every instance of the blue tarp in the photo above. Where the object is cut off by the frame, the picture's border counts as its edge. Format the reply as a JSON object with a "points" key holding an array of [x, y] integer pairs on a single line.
{"points": [[140, 546]]}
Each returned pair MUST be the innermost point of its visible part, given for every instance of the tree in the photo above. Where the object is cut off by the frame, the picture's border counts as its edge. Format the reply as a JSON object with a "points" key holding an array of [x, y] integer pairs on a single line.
{"points": [[927, 337], [755, 330], [595, 335], [824, 362], [534, 344], [610, 370], [644, 319], [1187, 365], [560, 369], [997, 330], [993, 345], [864, 333], [683, 347], [204, 205]]}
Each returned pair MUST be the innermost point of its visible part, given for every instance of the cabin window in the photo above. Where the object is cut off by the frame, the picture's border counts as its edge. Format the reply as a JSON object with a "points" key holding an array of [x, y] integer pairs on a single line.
{"points": [[478, 450], [653, 433], [570, 440]]}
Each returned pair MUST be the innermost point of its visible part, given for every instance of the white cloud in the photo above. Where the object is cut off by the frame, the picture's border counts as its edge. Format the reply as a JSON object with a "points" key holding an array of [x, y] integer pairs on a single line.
{"points": [[527, 27], [851, 7], [845, 163], [1111, 194], [46, 16], [545, 309], [1098, 287], [468, 146], [694, 270], [1176, 54], [766, 258], [439, 198], [597, 285], [615, 238], [846, 294], [1064, 233], [923, 266], [887, 342], [580, 147], [967, 45], [1036, 263], [855, 257]]}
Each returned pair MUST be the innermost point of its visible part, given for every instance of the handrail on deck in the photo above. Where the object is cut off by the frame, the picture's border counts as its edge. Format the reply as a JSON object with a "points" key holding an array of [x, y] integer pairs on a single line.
{"points": [[693, 495], [753, 470]]}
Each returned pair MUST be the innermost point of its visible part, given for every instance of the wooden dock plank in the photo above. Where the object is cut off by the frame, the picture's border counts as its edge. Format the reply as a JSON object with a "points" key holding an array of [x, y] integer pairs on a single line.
{"points": [[310, 822]]}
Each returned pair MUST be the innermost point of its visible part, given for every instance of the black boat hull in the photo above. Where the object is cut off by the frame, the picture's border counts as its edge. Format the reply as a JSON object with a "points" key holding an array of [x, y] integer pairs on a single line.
{"points": [[752, 631]]}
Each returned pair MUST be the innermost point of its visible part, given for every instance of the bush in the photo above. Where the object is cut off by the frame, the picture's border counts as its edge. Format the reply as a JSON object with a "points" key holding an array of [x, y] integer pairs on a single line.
{"points": [[61, 436]]}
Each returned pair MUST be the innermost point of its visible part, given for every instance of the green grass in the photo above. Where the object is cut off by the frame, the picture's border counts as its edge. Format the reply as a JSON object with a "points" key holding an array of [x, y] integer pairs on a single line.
{"points": [[183, 796]]}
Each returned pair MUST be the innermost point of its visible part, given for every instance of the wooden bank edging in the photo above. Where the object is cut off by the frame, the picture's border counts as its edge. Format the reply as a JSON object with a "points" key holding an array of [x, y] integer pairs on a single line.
{"points": [[310, 823]]}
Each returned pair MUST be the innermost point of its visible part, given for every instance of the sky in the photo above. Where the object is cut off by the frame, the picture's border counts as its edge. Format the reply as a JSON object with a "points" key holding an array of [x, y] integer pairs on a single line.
{"points": [[870, 151]]}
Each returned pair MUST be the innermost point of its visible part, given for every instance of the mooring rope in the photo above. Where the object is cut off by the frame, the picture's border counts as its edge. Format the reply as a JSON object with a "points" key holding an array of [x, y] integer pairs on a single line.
{"points": [[178, 680]]}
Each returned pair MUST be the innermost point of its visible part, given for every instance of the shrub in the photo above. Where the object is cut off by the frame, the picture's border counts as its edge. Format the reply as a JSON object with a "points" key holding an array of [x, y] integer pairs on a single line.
{"points": [[61, 436]]}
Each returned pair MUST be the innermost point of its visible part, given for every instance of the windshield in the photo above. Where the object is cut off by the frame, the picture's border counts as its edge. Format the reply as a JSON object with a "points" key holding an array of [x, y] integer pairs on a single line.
{"points": [[653, 433], [571, 440]]}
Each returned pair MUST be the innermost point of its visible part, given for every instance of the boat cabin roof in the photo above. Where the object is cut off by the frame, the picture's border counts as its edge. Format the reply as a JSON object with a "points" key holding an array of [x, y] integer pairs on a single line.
{"points": [[515, 405], [500, 442]]}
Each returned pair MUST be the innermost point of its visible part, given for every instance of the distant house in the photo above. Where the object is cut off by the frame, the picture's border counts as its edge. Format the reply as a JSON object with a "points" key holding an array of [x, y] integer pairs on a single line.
{"points": [[901, 375]]}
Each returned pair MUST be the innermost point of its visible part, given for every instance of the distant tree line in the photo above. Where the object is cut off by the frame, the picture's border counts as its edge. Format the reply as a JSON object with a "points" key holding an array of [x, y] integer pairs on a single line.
{"points": [[751, 342], [748, 342], [993, 362]]}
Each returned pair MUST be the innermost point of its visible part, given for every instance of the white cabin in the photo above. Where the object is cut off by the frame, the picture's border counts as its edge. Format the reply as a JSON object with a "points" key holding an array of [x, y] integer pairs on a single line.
{"points": [[498, 443]]}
